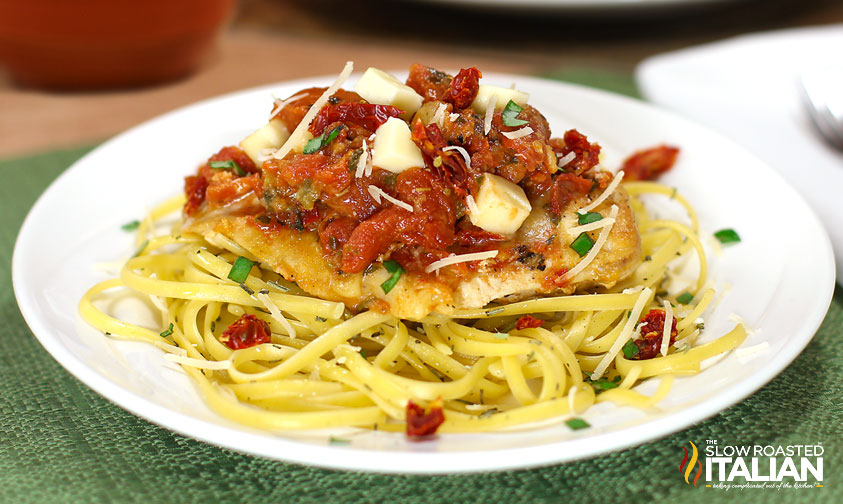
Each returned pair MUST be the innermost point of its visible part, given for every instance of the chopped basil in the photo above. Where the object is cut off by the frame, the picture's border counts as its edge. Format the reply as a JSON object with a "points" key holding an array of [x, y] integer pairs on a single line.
{"points": [[588, 218], [130, 226], [604, 384], [314, 144], [363, 353], [577, 423], [582, 244], [168, 332], [684, 298], [727, 236], [510, 115], [396, 270], [240, 269], [630, 350], [226, 165], [338, 441]]}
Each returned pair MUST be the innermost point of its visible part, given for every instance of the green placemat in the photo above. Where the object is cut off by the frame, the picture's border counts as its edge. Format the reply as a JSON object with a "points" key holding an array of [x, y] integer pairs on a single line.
{"points": [[63, 443]]}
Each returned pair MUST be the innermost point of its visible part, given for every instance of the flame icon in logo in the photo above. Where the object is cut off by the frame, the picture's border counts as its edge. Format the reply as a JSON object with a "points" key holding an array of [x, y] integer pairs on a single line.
{"points": [[687, 469]]}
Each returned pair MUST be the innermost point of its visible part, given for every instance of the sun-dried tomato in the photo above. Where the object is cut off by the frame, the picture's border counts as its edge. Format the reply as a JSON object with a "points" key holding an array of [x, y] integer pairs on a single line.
{"points": [[368, 115], [194, 189], [245, 332], [648, 164], [424, 422], [464, 87], [238, 155], [567, 186], [587, 153], [652, 332], [430, 83], [528, 322], [449, 165]]}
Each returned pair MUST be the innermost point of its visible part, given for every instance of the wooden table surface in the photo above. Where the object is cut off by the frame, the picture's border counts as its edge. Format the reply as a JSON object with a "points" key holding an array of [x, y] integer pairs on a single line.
{"points": [[274, 40]]}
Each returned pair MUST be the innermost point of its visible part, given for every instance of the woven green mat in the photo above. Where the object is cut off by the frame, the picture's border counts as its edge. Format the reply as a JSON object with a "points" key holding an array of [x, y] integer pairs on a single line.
{"points": [[60, 442]]}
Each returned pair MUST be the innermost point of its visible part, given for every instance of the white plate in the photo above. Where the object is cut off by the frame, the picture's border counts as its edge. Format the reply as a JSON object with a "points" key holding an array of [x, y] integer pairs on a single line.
{"points": [[779, 284], [747, 88]]}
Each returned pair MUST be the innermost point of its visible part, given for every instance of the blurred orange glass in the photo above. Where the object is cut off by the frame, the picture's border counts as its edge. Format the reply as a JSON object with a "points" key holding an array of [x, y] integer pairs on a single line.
{"points": [[77, 44]]}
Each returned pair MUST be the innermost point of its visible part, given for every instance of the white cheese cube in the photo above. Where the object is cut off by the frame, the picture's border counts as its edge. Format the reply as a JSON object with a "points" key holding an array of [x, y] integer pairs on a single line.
{"points": [[502, 97], [271, 135], [501, 206], [377, 86], [394, 149]]}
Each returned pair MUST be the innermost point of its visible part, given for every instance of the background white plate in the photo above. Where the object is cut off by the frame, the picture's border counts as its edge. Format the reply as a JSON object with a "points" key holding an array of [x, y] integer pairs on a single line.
{"points": [[778, 284]]}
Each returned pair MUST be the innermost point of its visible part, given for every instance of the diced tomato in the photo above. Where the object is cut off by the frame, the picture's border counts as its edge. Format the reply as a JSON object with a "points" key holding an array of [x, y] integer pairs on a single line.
{"points": [[652, 332], [464, 87], [528, 322], [245, 332], [650, 163], [424, 422]]}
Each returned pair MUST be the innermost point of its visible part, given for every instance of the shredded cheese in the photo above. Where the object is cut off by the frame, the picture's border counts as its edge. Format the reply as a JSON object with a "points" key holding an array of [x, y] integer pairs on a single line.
{"points": [[591, 226], [624, 336], [265, 155], [601, 240], [280, 104], [462, 151], [471, 205], [439, 115], [567, 158], [490, 113], [198, 363], [668, 325], [276, 315], [456, 259], [299, 134], [605, 194], [361, 163], [378, 193], [519, 133], [453, 117]]}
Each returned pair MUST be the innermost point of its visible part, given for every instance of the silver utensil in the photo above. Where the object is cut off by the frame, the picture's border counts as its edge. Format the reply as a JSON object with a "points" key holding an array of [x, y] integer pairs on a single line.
{"points": [[822, 94]]}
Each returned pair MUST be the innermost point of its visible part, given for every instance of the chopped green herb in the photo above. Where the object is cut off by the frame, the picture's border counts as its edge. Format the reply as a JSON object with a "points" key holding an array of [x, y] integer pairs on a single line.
{"points": [[684, 298], [588, 218], [582, 244], [316, 143], [604, 384], [227, 165], [130, 226], [727, 236], [278, 286], [510, 115], [630, 350], [240, 269], [499, 335], [168, 332], [140, 249], [363, 353], [577, 424], [338, 441], [321, 319], [488, 412], [494, 311], [396, 270], [213, 326], [246, 288]]}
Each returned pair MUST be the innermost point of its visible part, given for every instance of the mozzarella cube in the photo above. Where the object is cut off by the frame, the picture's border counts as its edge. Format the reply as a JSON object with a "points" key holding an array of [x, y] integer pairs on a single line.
{"points": [[377, 86], [501, 95], [271, 135], [501, 206], [394, 149]]}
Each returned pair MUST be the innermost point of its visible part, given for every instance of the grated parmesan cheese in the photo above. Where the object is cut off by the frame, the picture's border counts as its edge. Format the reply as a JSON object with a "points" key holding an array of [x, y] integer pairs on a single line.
{"points": [[591, 226], [668, 325], [624, 336], [456, 259], [601, 240], [265, 155], [378, 193], [567, 158], [276, 315], [471, 205], [453, 117], [198, 363], [520, 133], [361, 163], [605, 194], [280, 104], [300, 132], [490, 114], [462, 151], [439, 115]]}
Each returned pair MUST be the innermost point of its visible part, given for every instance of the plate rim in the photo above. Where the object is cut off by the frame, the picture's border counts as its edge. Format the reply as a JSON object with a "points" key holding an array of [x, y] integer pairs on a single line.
{"points": [[416, 462]]}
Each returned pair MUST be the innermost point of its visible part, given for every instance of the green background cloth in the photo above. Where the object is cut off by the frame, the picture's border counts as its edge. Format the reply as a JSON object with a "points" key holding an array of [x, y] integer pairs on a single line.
{"points": [[61, 442]]}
